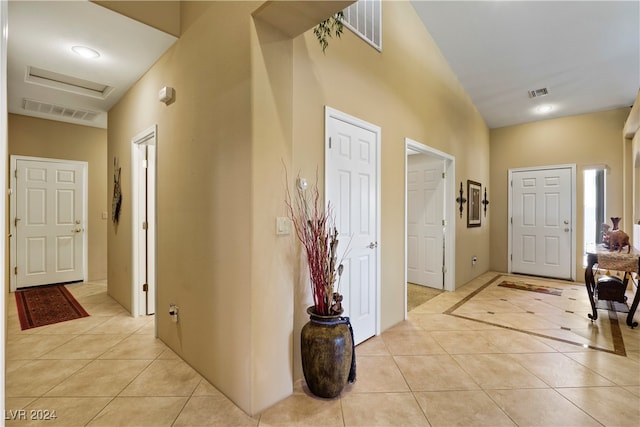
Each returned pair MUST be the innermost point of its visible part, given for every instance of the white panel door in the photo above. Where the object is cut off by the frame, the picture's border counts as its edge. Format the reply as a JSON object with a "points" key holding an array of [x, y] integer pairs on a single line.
{"points": [[542, 229], [49, 222], [352, 191], [425, 217]]}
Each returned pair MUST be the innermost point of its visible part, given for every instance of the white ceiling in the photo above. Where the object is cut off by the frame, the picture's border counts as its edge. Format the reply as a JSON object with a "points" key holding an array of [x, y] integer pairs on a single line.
{"points": [[587, 53], [41, 35]]}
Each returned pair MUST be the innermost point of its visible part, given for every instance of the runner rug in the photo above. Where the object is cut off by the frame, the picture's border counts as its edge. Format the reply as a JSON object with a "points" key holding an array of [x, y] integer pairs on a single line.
{"points": [[533, 288], [46, 305]]}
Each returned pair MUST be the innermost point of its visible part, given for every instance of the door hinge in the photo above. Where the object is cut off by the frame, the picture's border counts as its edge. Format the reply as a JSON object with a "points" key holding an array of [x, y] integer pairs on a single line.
{"points": [[145, 225], [15, 173], [145, 287], [444, 269], [443, 175], [145, 164], [444, 222], [15, 270], [15, 221], [329, 142]]}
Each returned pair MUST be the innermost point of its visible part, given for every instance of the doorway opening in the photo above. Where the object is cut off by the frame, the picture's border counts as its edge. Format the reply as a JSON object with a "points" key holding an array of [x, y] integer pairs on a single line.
{"points": [[429, 218], [143, 161], [594, 203]]}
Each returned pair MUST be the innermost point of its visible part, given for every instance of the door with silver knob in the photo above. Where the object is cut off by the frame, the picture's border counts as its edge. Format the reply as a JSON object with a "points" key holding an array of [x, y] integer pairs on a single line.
{"points": [[541, 205], [352, 187], [50, 243]]}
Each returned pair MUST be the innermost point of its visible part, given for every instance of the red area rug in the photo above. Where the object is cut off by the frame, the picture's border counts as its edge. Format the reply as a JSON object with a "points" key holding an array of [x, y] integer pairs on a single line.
{"points": [[533, 288], [46, 305]]}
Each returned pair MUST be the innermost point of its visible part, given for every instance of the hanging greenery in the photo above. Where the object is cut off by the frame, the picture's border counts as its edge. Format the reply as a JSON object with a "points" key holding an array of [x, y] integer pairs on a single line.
{"points": [[328, 28]]}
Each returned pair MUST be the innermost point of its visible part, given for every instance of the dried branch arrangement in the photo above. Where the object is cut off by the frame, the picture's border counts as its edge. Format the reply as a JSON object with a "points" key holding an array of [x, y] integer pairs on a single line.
{"points": [[315, 228]]}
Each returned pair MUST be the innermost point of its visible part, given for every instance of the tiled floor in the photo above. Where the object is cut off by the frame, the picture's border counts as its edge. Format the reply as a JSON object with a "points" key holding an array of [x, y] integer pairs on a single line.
{"points": [[481, 356]]}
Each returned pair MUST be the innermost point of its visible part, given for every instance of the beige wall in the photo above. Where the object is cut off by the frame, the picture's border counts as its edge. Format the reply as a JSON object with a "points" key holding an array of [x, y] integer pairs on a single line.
{"points": [[29, 136], [584, 140], [249, 101], [204, 206], [409, 91]]}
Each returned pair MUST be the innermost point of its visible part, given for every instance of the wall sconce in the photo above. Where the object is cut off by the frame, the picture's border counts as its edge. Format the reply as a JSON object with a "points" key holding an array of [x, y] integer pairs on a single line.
{"points": [[461, 200], [485, 202]]}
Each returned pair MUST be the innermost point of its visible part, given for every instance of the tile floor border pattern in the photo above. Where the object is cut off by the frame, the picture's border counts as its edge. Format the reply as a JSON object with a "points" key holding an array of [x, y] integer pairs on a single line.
{"points": [[617, 338]]}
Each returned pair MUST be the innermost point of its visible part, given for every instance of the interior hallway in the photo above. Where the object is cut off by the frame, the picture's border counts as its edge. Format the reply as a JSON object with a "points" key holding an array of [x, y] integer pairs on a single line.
{"points": [[438, 368]]}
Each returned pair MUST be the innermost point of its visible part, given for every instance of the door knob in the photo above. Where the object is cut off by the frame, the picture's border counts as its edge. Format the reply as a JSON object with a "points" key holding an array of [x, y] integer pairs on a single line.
{"points": [[373, 245], [566, 229]]}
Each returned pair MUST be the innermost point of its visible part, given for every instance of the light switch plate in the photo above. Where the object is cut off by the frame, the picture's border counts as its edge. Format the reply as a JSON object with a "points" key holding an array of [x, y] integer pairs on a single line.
{"points": [[105, 215], [283, 225]]}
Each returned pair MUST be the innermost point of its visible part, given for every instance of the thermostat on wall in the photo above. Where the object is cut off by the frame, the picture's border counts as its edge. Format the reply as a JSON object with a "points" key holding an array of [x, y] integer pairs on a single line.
{"points": [[166, 94]]}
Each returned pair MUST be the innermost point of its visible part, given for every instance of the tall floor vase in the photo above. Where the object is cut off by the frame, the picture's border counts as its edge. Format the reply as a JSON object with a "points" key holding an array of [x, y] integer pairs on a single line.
{"points": [[328, 354]]}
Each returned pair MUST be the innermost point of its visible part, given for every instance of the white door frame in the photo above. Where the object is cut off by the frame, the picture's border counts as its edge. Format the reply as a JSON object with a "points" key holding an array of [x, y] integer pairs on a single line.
{"points": [[4, 7], [147, 137], [450, 212], [572, 167], [339, 115], [12, 214]]}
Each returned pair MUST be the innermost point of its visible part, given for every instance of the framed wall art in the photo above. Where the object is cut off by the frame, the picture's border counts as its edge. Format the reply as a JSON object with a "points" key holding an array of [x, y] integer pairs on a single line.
{"points": [[474, 200]]}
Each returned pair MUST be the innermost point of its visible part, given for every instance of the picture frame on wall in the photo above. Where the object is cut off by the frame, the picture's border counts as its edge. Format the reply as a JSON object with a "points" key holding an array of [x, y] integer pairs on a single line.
{"points": [[474, 201]]}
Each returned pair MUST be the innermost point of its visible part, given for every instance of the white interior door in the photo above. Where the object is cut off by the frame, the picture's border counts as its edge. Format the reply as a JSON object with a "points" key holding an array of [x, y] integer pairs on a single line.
{"points": [[144, 222], [425, 221], [352, 188], [542, 222], [49, 222]]}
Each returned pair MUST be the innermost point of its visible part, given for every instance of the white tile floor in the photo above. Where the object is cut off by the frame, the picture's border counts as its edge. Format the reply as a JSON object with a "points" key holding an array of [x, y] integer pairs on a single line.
{"points": [[481, 356]]}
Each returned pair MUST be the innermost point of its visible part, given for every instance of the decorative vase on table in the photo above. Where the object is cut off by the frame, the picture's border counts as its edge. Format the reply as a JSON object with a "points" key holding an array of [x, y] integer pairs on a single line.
{"points": [[615, 220], [326, 345]]}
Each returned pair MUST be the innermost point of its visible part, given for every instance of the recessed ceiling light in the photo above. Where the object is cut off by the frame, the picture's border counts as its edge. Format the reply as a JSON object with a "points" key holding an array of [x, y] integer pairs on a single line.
{"points": [[544, 109], [86, 52]]}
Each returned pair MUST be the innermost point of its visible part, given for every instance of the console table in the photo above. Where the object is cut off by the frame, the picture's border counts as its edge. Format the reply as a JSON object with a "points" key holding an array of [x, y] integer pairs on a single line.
{"points": [[619, 261]]}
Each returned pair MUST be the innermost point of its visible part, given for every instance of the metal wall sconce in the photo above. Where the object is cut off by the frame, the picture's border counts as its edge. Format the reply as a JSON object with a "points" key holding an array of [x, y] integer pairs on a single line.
{"points": [[485, 202], [461, 200]]}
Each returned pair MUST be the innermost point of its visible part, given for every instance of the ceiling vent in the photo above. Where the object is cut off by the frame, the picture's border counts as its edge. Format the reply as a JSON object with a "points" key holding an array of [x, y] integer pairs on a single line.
{"points": [[67, 83], [538, 92], [58, 110]]}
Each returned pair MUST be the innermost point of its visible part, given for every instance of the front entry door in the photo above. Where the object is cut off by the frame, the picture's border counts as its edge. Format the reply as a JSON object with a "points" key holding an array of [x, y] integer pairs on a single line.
{"points": [[49, 223], [425, 219], [542, 217], [352, 188]]}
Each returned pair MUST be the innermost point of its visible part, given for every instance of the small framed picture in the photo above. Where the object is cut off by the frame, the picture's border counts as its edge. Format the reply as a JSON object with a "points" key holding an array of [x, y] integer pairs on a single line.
{"points": [[474, 200]]}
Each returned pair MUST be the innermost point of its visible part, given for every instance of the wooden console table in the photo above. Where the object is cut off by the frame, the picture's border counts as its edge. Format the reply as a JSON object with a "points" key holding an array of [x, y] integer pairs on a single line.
{"points": [[619, 261]]}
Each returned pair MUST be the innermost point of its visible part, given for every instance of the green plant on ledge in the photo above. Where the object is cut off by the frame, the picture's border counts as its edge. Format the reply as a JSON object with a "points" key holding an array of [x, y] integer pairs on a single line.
{"points": [[328, 28]]}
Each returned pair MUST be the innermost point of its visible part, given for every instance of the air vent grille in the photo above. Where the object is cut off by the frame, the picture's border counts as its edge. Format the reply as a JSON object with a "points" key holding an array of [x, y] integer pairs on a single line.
{"points": [[58, 110], [364, 18], [59, 81], [538, 92]]}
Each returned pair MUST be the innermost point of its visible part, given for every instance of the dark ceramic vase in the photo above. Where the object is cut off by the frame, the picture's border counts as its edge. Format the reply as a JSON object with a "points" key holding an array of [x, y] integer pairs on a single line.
{"points": [[327, 351], [615, 220]]}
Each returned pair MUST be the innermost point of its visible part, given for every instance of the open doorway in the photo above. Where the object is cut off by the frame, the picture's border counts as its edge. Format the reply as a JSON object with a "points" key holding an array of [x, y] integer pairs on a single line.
{"points": [[594, 203], [429, 209]]}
